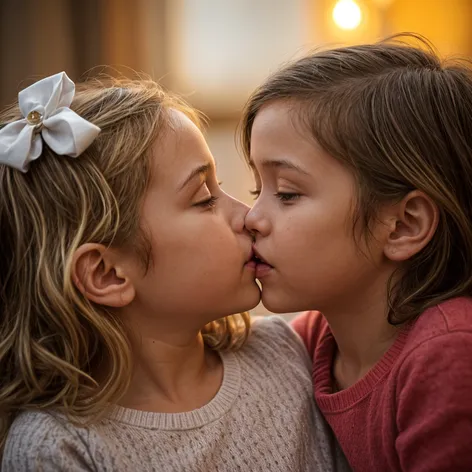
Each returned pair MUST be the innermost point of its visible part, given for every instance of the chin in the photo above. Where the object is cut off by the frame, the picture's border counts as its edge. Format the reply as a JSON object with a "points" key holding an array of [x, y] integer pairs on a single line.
{"points": [[249, 299], [277, 303]]}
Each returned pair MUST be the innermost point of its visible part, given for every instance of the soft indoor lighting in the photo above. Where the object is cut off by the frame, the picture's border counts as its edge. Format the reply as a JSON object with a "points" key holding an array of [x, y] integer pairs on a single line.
{"points": [[347, 14]]}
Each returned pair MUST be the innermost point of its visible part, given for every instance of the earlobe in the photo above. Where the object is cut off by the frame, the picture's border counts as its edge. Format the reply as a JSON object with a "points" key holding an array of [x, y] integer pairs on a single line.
{"points": [[415, 221], [99, 278]]}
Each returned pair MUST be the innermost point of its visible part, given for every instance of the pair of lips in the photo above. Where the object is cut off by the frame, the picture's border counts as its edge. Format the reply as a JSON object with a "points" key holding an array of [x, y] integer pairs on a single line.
{"points": [[258, 258]]}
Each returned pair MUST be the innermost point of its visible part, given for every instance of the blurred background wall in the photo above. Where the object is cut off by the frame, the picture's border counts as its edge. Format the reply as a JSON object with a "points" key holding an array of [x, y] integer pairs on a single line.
{"points": [[215, 52]]}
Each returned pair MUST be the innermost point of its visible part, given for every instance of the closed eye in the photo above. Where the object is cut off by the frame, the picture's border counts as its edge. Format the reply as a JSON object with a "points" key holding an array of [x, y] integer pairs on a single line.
{"points": [[255, 193], [286, 197], [207, 203]]}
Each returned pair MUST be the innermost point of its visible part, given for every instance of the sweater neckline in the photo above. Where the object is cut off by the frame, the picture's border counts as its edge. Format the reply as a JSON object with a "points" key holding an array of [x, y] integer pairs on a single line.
{"points": [[344, 399], [214, 409]]}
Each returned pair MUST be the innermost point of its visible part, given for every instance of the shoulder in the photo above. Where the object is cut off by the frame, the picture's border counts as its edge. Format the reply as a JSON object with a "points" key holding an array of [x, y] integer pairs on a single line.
{"points": [[44, 440], [451, 316], [273, 329], [433, 385], [439, 347], [312, 328], [274, 336], [449, 323]]}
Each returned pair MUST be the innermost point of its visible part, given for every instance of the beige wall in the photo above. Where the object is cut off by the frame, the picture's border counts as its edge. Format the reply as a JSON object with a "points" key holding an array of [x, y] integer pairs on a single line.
{"points": [[444, 22]]}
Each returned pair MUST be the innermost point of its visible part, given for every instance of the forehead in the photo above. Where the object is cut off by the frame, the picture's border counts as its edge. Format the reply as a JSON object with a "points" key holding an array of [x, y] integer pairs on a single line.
{"points": [[180, 147], [280, 139], [274, 115], [283, 121], [180, 133], [278, 129]]}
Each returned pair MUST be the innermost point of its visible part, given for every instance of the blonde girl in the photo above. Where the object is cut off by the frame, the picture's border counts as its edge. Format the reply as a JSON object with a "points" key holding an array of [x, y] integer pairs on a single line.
{"points": [[121, 258]]}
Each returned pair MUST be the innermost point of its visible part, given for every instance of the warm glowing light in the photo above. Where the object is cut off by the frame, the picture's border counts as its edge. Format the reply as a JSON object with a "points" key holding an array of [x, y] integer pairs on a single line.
{"points": [[347, 14]]}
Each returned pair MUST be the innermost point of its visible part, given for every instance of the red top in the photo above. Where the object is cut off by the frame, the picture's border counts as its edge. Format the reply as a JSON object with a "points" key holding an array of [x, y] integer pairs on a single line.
{"points": [[413, 410]]}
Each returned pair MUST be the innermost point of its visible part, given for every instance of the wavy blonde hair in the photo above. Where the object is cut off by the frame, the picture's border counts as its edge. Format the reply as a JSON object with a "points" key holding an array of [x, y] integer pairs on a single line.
{"points": [[51, 337]]}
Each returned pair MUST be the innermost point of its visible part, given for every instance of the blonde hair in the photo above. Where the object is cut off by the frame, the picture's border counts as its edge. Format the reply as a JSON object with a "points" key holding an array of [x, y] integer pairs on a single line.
{"points": [[51, 337], [400, 119]]}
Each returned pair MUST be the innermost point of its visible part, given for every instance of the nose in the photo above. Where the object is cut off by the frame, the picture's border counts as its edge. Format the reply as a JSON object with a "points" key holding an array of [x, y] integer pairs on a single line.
{"points": [[238, 212], [257, 221]]}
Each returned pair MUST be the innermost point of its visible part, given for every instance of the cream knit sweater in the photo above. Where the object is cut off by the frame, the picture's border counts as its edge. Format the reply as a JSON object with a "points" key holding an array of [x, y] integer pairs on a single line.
{"points": [[262, 419]]}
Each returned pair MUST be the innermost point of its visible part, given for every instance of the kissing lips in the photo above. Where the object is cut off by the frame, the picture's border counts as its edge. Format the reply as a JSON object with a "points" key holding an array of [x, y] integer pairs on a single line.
{"points": [[251, 264], [262, 267]]}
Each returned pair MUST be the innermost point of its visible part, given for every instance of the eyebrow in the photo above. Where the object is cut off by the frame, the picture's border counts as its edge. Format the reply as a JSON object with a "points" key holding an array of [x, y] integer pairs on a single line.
{"points": [[278, 164], [203, 169]]}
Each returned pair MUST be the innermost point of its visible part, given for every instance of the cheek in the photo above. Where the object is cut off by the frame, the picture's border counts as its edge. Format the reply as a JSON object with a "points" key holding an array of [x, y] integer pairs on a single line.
{"points": [[313, 235], [201, 245]]}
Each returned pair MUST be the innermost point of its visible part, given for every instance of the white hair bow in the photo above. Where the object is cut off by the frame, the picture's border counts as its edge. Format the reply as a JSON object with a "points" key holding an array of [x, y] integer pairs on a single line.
{"points": [[45, 108]]}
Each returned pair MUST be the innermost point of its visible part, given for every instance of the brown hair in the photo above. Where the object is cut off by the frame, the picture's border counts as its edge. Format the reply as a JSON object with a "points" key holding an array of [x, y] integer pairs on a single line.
{"points": [[400, 119], [51, 337]]}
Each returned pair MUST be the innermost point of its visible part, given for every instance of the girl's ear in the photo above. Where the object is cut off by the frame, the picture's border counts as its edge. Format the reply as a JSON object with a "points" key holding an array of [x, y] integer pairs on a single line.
{"points": [[98, 275], [413, 223]]}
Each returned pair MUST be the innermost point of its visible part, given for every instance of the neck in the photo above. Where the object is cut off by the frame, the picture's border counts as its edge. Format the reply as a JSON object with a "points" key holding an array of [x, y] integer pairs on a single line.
{"points": [[172, 372], [363, 335]]}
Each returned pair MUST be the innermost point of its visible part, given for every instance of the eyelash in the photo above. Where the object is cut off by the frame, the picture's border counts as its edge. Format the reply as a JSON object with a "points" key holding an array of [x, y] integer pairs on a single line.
{"points": [[287, 196], [209, 203], [284, 197], [255, 193]]}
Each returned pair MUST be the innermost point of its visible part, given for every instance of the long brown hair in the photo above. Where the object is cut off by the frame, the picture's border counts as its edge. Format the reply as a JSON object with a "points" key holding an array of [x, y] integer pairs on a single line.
{"points": [[51, 337], [401, 119]]}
